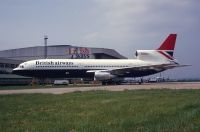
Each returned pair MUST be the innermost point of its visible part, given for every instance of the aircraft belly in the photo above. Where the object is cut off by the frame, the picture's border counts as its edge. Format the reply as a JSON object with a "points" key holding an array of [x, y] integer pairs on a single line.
{"points": [[78, 73], [55, 73]]}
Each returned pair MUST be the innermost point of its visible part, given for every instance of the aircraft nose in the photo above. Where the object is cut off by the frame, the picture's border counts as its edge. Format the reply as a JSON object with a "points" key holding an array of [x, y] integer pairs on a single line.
{"points": [[15, 71]]}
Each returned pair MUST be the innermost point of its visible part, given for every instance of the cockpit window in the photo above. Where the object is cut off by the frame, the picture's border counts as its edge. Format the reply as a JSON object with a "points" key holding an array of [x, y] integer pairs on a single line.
{"points": [[21, 66]]}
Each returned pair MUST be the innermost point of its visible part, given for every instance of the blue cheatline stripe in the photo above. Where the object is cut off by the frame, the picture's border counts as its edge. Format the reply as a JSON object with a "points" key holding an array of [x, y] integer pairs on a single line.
{"points": [[170, 52]]}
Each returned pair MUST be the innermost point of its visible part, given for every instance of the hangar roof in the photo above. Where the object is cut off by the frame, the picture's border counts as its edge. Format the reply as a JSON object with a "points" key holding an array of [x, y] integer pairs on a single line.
{"points": [[53, 50]]}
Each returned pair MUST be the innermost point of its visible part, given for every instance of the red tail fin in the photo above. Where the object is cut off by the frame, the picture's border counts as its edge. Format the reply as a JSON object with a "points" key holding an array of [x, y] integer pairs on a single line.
{"points": [[169, 43]]}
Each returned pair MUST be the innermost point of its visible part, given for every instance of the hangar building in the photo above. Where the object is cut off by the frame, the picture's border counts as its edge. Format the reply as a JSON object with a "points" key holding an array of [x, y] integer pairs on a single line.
{"points": [[9, 59], [60, 51]]}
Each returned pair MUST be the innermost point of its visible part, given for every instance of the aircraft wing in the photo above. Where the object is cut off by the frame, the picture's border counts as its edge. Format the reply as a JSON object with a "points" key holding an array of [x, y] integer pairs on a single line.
{"points": [[159, 67], [123, 71]]}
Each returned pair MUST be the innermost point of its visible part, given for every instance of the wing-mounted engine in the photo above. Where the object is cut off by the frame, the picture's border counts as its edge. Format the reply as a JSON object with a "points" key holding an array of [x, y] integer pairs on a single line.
{"points": [[103, 75]]}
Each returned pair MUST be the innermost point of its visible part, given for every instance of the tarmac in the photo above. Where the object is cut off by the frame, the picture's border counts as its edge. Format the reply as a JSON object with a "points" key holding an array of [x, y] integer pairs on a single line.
{"points": [[147, 86]]}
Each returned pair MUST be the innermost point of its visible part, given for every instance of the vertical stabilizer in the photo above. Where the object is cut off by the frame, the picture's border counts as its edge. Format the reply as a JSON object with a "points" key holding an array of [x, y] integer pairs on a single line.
{"points": [[167, 47]]}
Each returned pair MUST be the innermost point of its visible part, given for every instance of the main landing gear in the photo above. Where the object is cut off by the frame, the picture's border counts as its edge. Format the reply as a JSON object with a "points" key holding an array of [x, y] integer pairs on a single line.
{"points": [[141, 81]]}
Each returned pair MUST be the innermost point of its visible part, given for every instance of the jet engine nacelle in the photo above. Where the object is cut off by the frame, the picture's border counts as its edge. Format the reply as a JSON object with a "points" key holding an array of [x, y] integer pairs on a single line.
{"points": [[99, 75], [145, 54], [150, 55]]}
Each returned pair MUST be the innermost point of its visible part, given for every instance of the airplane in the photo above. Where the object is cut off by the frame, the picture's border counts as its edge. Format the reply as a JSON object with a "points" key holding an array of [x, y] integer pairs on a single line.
{"points": [[147, 62]]}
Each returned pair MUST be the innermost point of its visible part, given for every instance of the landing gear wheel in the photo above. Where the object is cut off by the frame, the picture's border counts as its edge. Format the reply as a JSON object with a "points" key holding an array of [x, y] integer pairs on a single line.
{"points": [[140, 81]]}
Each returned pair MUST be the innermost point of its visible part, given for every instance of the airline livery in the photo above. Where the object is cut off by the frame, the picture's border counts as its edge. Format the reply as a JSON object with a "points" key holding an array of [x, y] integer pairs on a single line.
{"points": [[147, 62]]}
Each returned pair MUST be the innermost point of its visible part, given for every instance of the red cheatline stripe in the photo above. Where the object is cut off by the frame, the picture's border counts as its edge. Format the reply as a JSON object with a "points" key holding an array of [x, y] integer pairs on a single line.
{"points": [[167, 56]]}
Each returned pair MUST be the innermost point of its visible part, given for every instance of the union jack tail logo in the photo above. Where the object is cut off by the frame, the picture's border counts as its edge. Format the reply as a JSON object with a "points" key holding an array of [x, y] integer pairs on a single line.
{"points": [[167, 54]]}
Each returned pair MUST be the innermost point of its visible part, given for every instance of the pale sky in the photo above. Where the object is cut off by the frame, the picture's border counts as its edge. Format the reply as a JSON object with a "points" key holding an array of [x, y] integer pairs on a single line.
{"points": [[123, 25]]}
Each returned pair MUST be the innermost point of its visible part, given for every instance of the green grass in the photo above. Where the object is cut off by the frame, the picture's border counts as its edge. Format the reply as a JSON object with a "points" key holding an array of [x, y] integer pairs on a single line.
{"points": [[138, 110]]}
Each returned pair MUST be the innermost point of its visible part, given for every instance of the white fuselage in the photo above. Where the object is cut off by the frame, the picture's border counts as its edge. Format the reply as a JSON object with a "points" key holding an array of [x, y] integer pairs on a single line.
{"points": [[79, 68]]}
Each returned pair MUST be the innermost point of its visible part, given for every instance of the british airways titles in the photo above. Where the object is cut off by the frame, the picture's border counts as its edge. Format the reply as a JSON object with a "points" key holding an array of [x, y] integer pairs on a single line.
{"points": [[52, 63]]}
